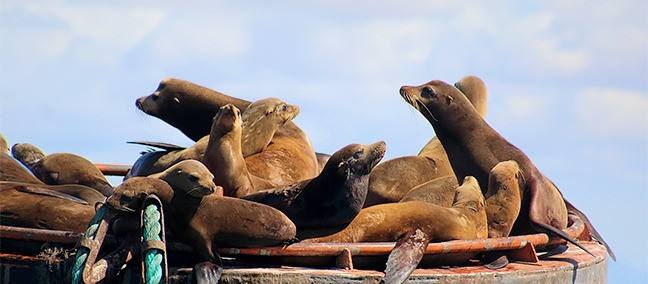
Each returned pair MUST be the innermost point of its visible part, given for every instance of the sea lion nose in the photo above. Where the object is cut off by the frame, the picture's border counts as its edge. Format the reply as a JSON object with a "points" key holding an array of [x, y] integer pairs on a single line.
{"points": [[402, 91]]}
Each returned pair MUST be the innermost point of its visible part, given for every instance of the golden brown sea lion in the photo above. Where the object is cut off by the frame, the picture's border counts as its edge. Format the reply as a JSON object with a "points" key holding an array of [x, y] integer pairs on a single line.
{"points": [[61, 168], [474, 148], [392, 179], [190, 108], [414, 224]]}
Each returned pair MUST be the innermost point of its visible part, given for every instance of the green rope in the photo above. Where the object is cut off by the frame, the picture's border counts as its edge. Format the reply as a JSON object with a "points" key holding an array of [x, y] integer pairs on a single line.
{"points": [[82, 253], [153, 257]]}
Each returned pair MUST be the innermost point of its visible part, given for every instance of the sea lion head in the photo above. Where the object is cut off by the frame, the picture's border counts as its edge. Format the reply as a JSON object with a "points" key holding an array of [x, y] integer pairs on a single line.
{"points": [[475, 90], [356, 159], [165, 99], [436, 99], [130, 194], [469, 195], [272, 108], [228, 119], [189, 176], [27, 154]]}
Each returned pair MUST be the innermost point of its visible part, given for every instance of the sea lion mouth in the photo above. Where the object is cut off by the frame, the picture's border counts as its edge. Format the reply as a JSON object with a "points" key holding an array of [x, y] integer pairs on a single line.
{"points": [[199, 191]]}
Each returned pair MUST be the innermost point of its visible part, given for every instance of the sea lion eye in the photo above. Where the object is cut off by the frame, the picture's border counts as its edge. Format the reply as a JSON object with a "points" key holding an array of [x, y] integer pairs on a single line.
{"points": [[284, 107], [357, 154], [428, 92]]}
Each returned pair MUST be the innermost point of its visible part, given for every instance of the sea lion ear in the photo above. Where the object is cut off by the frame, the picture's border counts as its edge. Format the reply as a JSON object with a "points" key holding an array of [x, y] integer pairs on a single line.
{"points": [[449, 99]]}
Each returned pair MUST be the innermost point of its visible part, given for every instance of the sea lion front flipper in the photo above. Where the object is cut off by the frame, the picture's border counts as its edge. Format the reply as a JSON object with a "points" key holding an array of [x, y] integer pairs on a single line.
{"points": [[496, 260], [207, 272], [405, 256], [590, 227], [49, 192], [160, 145]]}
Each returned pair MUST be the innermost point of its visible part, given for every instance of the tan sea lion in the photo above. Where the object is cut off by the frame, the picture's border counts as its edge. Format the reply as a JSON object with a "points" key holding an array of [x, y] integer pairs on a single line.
{"points": [[335, 196], [223, 156], [26, 202], [414, 224], [16, 177], [392, 179], [503, 200], [474, 148], [202, 219], [61, 168], [190, 108], [439, 191]]}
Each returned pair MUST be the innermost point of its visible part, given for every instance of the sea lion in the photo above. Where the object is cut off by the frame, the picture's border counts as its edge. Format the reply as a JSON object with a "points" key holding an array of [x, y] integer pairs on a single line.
{"points": [[190, 108], [223, 156], [61, 168], [392, 179], [439, 191], [335, 196], [13, 175], [260, 122], [474, 148], [200, 218], [414, 224], [261, 119], [503, 199], [27, 202]]}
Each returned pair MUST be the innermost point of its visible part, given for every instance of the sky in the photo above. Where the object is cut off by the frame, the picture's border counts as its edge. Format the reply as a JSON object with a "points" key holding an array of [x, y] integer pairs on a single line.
{"points": [[567, 81]]}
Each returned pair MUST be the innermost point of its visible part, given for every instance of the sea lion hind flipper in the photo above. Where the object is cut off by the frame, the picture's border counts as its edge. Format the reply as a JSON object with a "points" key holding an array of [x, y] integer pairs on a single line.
{"points": [[160, 145], [590, 227], [207, 272], [557, 232], [405, 256], [49, 192]]}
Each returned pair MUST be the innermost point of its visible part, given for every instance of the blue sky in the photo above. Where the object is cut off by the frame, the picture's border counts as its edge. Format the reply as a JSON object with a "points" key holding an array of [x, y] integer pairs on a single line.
{"points": [[567, 81]]}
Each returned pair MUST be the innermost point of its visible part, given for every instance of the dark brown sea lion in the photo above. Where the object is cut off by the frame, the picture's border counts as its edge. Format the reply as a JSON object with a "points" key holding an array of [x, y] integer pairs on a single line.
{"points": [[224, 158], [335, 196], [61, 168], [474, 148], [414, 224], [190, 108], [26, 202], [392, 179], [202, 219]]}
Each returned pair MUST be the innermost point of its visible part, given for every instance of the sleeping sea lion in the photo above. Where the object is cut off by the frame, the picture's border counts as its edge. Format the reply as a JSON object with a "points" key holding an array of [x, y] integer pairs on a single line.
{"points": [[392, 179], [190, 108], [414, 224], [61, 168], [335, 196], [474, 148], [200, 218]]}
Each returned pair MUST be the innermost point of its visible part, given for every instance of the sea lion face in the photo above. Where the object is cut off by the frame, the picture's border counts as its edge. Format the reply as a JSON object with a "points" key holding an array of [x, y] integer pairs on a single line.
{"points": [[276, 109], [27, 154], [130, 195], [227, 120], [469, 195], [435, 97], [165, 99], [189, 176], [356, 159]]}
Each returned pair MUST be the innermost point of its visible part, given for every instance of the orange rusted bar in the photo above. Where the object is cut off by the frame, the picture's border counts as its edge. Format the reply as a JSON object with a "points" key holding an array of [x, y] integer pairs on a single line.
{"points": [[29, 234], [113, 169]]}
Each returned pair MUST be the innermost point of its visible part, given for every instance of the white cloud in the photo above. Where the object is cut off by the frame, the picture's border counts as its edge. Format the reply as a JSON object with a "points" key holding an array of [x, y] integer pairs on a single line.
{"points": [[613, 113]]}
